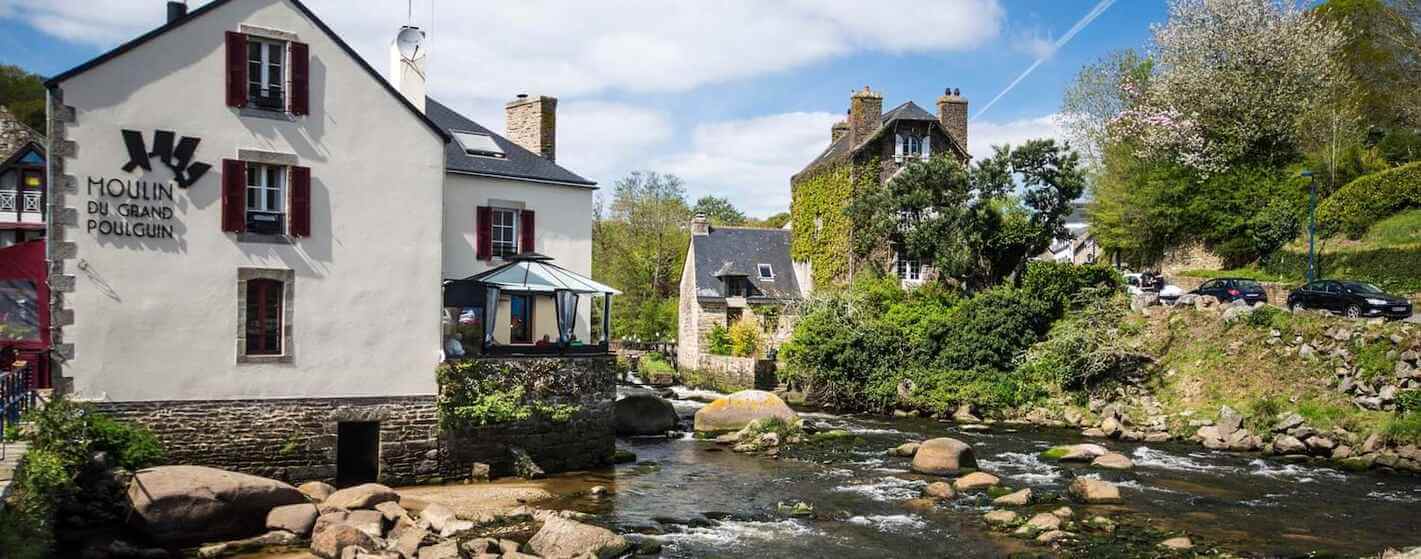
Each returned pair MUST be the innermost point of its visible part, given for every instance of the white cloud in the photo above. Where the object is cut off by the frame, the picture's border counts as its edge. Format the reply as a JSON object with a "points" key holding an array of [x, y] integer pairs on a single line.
{"points": [[1035, 43], [495, 49], [982, 136], [750, 161], [599, 140]]}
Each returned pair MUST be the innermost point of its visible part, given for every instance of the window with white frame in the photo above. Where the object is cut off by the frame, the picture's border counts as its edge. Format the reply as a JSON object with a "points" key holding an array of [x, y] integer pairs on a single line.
{"points": [[266, 196], [266, 73], [909, 269], [767, 273], [912, 146], [505, 232]]}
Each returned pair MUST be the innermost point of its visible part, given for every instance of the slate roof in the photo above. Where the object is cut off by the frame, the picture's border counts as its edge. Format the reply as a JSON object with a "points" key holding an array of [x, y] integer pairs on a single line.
{"points": [[907, 111], [518, 163], [742, 250]]}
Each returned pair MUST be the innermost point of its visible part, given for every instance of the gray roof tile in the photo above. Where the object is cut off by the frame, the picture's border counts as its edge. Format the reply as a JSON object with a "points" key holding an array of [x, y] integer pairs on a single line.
{"points": [[742, 250], [518, 162]]}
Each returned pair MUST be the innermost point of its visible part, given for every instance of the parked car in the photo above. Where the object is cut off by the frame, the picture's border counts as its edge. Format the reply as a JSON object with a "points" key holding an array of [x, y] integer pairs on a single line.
{"points": [[1228, 290], [1138, 285], [1353, 299]]}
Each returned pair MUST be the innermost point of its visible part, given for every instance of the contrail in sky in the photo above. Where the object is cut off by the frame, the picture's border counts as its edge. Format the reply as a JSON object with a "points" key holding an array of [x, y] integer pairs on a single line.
{"points": [[1085, 20]]}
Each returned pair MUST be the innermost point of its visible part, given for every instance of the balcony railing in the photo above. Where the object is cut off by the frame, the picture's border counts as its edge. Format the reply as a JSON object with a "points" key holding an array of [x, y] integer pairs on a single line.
{"points": [[17, 395], [21, 207]]}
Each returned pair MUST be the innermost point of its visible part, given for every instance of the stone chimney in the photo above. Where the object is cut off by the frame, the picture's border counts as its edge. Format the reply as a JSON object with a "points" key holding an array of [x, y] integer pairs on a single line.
{"points": [[837, 131], [865, 114], [952, 113], [176, 10], [700, 227], [533, 124]]}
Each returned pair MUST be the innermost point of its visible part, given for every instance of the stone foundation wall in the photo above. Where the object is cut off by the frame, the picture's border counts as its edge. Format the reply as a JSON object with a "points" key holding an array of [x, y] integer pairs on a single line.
{"points": [[292, 439], [743, 372], [582, 441]]}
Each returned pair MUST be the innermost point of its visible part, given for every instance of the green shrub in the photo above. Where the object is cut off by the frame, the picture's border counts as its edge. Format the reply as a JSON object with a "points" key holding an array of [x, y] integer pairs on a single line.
{"points": [[1369, 199], [1373, 361], [43, 482], [990, 330], [1403, 429], [134, 447], [1408, 402], [23, 537], [479, 392], [1085, 349], [744, 338], [1062, 283], [718, 340], [1268, 316]]}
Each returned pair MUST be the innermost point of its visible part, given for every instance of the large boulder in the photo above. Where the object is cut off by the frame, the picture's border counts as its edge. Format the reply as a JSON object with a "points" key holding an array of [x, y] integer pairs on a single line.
{"points": [[317, 490], [364, 496], [1094, 491], [1113, 461], [563, 538], [1076, 452], [297, 519], [944, 456], [734, 412], [643, 414], [187, 504]]}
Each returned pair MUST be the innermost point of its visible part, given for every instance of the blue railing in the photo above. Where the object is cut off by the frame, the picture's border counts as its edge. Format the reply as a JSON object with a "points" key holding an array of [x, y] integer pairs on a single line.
{"points": [[17, 395]]}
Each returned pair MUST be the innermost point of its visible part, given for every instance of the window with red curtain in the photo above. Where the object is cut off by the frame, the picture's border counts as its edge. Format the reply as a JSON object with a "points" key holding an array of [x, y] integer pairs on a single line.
{"points": [[264, 320]]}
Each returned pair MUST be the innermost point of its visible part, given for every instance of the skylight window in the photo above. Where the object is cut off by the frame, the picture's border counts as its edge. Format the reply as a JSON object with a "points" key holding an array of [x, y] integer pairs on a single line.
{"points": [[478, 144], [767, 273]]}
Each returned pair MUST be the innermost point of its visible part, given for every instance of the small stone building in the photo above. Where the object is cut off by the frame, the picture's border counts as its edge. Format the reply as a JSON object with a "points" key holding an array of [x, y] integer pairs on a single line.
{"points": [[869, 147], [734, 274]]}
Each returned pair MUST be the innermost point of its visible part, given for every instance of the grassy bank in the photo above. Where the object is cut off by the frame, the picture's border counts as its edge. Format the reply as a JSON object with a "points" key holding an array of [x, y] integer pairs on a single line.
{"points": [[1389, 255]]}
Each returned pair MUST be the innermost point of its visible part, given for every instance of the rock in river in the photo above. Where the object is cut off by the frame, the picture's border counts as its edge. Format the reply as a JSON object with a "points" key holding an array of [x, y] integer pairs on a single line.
{"points": [[943, 456], [940, 490], [1094, 491], [643, 414], [1017, 499], [560, 537], [1113, 461], [1076, 452], [181, 504], [976, 480], [734, 412]]}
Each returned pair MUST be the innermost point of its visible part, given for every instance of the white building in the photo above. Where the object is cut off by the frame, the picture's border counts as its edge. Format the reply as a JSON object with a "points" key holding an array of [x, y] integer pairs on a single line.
{"points": [[252, 231]]}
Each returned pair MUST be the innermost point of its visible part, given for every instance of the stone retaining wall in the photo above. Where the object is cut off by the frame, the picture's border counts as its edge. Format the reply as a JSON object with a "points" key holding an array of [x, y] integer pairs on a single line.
{"points": [[291, 439], [295, 440], [743, 372]]}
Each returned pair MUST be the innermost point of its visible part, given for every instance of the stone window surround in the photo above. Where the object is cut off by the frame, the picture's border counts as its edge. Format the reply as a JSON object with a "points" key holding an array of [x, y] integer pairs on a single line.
{"points": [[288, 300], [267, 158], [271, 35]]}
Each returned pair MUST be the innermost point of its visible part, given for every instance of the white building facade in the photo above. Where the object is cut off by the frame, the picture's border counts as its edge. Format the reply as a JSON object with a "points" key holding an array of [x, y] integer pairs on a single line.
{"points": [[249, 230]]}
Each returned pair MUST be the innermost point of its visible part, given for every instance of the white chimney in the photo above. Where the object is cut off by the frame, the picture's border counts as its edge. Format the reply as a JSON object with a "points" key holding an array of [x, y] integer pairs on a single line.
{"points": [[407, 58]]}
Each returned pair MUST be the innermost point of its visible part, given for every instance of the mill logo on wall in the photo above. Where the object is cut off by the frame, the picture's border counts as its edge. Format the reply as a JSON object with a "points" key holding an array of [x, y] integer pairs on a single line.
{"points": [[178, 158]]}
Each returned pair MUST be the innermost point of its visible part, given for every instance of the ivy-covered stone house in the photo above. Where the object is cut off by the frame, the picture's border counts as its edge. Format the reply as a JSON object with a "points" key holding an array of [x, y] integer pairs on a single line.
{"points": [[868, 148], [733, 274]]}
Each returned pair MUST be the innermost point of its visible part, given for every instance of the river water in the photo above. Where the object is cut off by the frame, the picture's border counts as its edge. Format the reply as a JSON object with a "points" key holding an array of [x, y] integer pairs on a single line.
{"points": [[705, 501]]}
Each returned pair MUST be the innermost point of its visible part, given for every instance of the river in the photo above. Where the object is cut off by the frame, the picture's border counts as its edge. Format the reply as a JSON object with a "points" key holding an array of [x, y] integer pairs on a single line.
{"points": [[705, 501]]}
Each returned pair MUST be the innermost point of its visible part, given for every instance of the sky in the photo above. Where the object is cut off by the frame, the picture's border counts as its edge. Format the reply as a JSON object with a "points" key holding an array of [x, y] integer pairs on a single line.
{"points": [[732, 96]]}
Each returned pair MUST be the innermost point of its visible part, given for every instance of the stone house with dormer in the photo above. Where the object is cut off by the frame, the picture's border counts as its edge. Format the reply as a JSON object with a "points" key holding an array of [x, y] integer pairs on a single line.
{"points": [[870, 146]]}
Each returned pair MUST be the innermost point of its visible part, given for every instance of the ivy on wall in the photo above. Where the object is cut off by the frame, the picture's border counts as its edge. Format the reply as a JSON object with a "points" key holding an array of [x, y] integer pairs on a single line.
{"points": [[819, 210], [478, 392]]}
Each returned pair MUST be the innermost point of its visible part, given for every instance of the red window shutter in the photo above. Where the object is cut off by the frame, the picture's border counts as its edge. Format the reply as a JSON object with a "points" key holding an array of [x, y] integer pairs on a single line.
{"points": [[525, 243], [300, 79], [236, 69], [234, 196], [300, 201], [483, 232]]}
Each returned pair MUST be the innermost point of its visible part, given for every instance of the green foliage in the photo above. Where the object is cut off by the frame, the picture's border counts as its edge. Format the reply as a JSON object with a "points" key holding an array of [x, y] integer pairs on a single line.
{"points": [[1373, 361], [874, 346], [73, 431], [656, 363], [776, 221], [744, 338], [1268, 316], [718, 210], [718, 340], [1370, 199], [23, 93], [23, 537], [1403, 429], [977, 224], [480, 392], [1062, 283], [639, 245], [820, 200], [1379, 53], [1408, 402], [1263, 413], [1087, 348], [1400, 230]]}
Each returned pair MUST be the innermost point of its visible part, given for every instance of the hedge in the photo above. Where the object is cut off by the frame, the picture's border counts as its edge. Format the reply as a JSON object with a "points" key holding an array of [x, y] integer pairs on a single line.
{"points": [[1369, 199]]}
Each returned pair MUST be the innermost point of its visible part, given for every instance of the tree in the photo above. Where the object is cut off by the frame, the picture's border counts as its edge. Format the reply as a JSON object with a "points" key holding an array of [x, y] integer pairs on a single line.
{"points": [[719, 210], [23, 93], [777, 221], [1101, 91], [979, 224], [639, 246], [1231, 82], [1381, 53]]}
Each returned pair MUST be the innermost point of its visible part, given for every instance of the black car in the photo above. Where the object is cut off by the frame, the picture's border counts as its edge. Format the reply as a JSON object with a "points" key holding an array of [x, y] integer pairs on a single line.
{"points": [[1354, 299], [1228, 290]]}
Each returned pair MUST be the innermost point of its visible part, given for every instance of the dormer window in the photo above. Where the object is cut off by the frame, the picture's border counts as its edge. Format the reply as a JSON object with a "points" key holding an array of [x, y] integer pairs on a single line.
{"points": [[767, 273], [909, 146], [478, 144]]}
